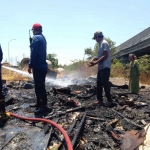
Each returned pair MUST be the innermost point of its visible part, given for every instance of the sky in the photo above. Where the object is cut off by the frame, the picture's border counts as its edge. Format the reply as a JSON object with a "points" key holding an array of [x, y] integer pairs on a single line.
{"points": [[68, 25]]}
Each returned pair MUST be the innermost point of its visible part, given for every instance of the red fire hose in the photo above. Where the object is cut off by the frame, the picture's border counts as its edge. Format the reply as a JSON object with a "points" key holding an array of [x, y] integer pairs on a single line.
{"points": [[67, 139]]}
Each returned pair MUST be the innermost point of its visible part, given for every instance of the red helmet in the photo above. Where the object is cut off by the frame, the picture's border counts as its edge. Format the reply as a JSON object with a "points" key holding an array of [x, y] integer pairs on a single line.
{"points": [[37, 26]]}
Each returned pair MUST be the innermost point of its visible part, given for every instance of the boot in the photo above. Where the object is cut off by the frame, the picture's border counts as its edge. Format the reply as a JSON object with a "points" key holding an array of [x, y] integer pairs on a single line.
{"points": [[2, 104], [37, 104], [43, 109]]}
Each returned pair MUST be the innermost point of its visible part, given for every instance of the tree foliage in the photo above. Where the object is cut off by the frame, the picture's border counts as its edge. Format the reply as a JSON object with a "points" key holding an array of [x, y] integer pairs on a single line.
{"points": [[111, 45], [19, 64], [119, 69], [88, 52], [144, 64], [116, 63], [54, 61], [95, 50], [93, 53]]}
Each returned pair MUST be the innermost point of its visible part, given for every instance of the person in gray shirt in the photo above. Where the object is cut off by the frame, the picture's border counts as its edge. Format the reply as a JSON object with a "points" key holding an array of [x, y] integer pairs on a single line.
{"points": [[104, 66]]}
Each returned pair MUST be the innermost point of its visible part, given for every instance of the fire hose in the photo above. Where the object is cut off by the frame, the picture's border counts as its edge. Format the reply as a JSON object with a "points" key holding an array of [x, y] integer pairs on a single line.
{"points": [[66, 137]]}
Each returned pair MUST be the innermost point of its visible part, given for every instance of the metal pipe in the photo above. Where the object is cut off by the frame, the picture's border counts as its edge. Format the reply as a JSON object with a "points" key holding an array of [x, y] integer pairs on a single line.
{"points": [[8, 49]]}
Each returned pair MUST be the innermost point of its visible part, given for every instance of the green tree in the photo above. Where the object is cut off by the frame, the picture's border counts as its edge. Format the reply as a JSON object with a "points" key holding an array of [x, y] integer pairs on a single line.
{"points": [[19, 64], [75, 65], [93, 53], [111, 45], [54, 61], [95, 50], [88, 52], [144, 64], [50, 56], [116, 63]]}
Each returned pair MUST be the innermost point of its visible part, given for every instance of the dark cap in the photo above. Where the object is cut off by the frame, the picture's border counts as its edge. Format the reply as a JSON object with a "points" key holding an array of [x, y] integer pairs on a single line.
{"points": [[37, 26], [97, 34]]}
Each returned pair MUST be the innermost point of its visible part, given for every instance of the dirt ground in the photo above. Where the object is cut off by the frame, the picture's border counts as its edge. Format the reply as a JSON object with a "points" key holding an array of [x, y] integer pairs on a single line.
{"points": [[118, 81], [122, 81]]}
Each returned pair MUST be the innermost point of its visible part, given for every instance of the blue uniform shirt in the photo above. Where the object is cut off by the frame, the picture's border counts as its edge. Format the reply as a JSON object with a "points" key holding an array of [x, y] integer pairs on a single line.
{"points": [[1, 54], [38, 52]]}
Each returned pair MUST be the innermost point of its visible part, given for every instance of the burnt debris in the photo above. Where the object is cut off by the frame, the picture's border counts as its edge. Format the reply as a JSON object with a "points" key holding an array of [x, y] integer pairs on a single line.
{"points": [[89, 126]]}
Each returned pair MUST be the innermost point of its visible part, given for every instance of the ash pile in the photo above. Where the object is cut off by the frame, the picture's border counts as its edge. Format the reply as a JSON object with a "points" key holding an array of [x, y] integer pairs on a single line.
{"points": [[89, 126]]}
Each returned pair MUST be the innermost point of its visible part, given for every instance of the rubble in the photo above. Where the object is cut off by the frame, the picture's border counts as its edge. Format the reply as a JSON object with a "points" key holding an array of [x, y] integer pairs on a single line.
{"points": [[89, 126], [146, 144]]}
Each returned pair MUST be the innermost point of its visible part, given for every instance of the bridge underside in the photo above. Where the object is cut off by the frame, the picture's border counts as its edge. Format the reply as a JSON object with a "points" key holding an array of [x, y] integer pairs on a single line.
{"points": [[139, 50]]}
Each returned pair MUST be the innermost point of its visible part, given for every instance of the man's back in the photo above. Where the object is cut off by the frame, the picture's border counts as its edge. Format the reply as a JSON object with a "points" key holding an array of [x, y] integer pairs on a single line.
{"points": [[104, 46], [38, 52]]}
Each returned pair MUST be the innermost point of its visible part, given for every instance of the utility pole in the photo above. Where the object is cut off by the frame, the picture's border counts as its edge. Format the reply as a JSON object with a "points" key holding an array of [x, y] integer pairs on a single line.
{"points": [[8, 50]]}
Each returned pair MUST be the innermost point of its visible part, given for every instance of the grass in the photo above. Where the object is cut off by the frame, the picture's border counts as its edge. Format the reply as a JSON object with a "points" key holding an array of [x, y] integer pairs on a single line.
{"points": [[81, 71], [120, 72], [9, 75]]}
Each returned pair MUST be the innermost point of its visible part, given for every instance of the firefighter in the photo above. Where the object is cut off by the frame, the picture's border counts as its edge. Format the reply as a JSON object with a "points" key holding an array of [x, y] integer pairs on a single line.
{"points": [[3, 115], [38, 66]]}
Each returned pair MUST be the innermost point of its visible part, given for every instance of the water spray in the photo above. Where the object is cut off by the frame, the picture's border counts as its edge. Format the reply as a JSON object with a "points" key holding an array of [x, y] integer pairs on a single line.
{"points": [[18, 71], [63, 82]]}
